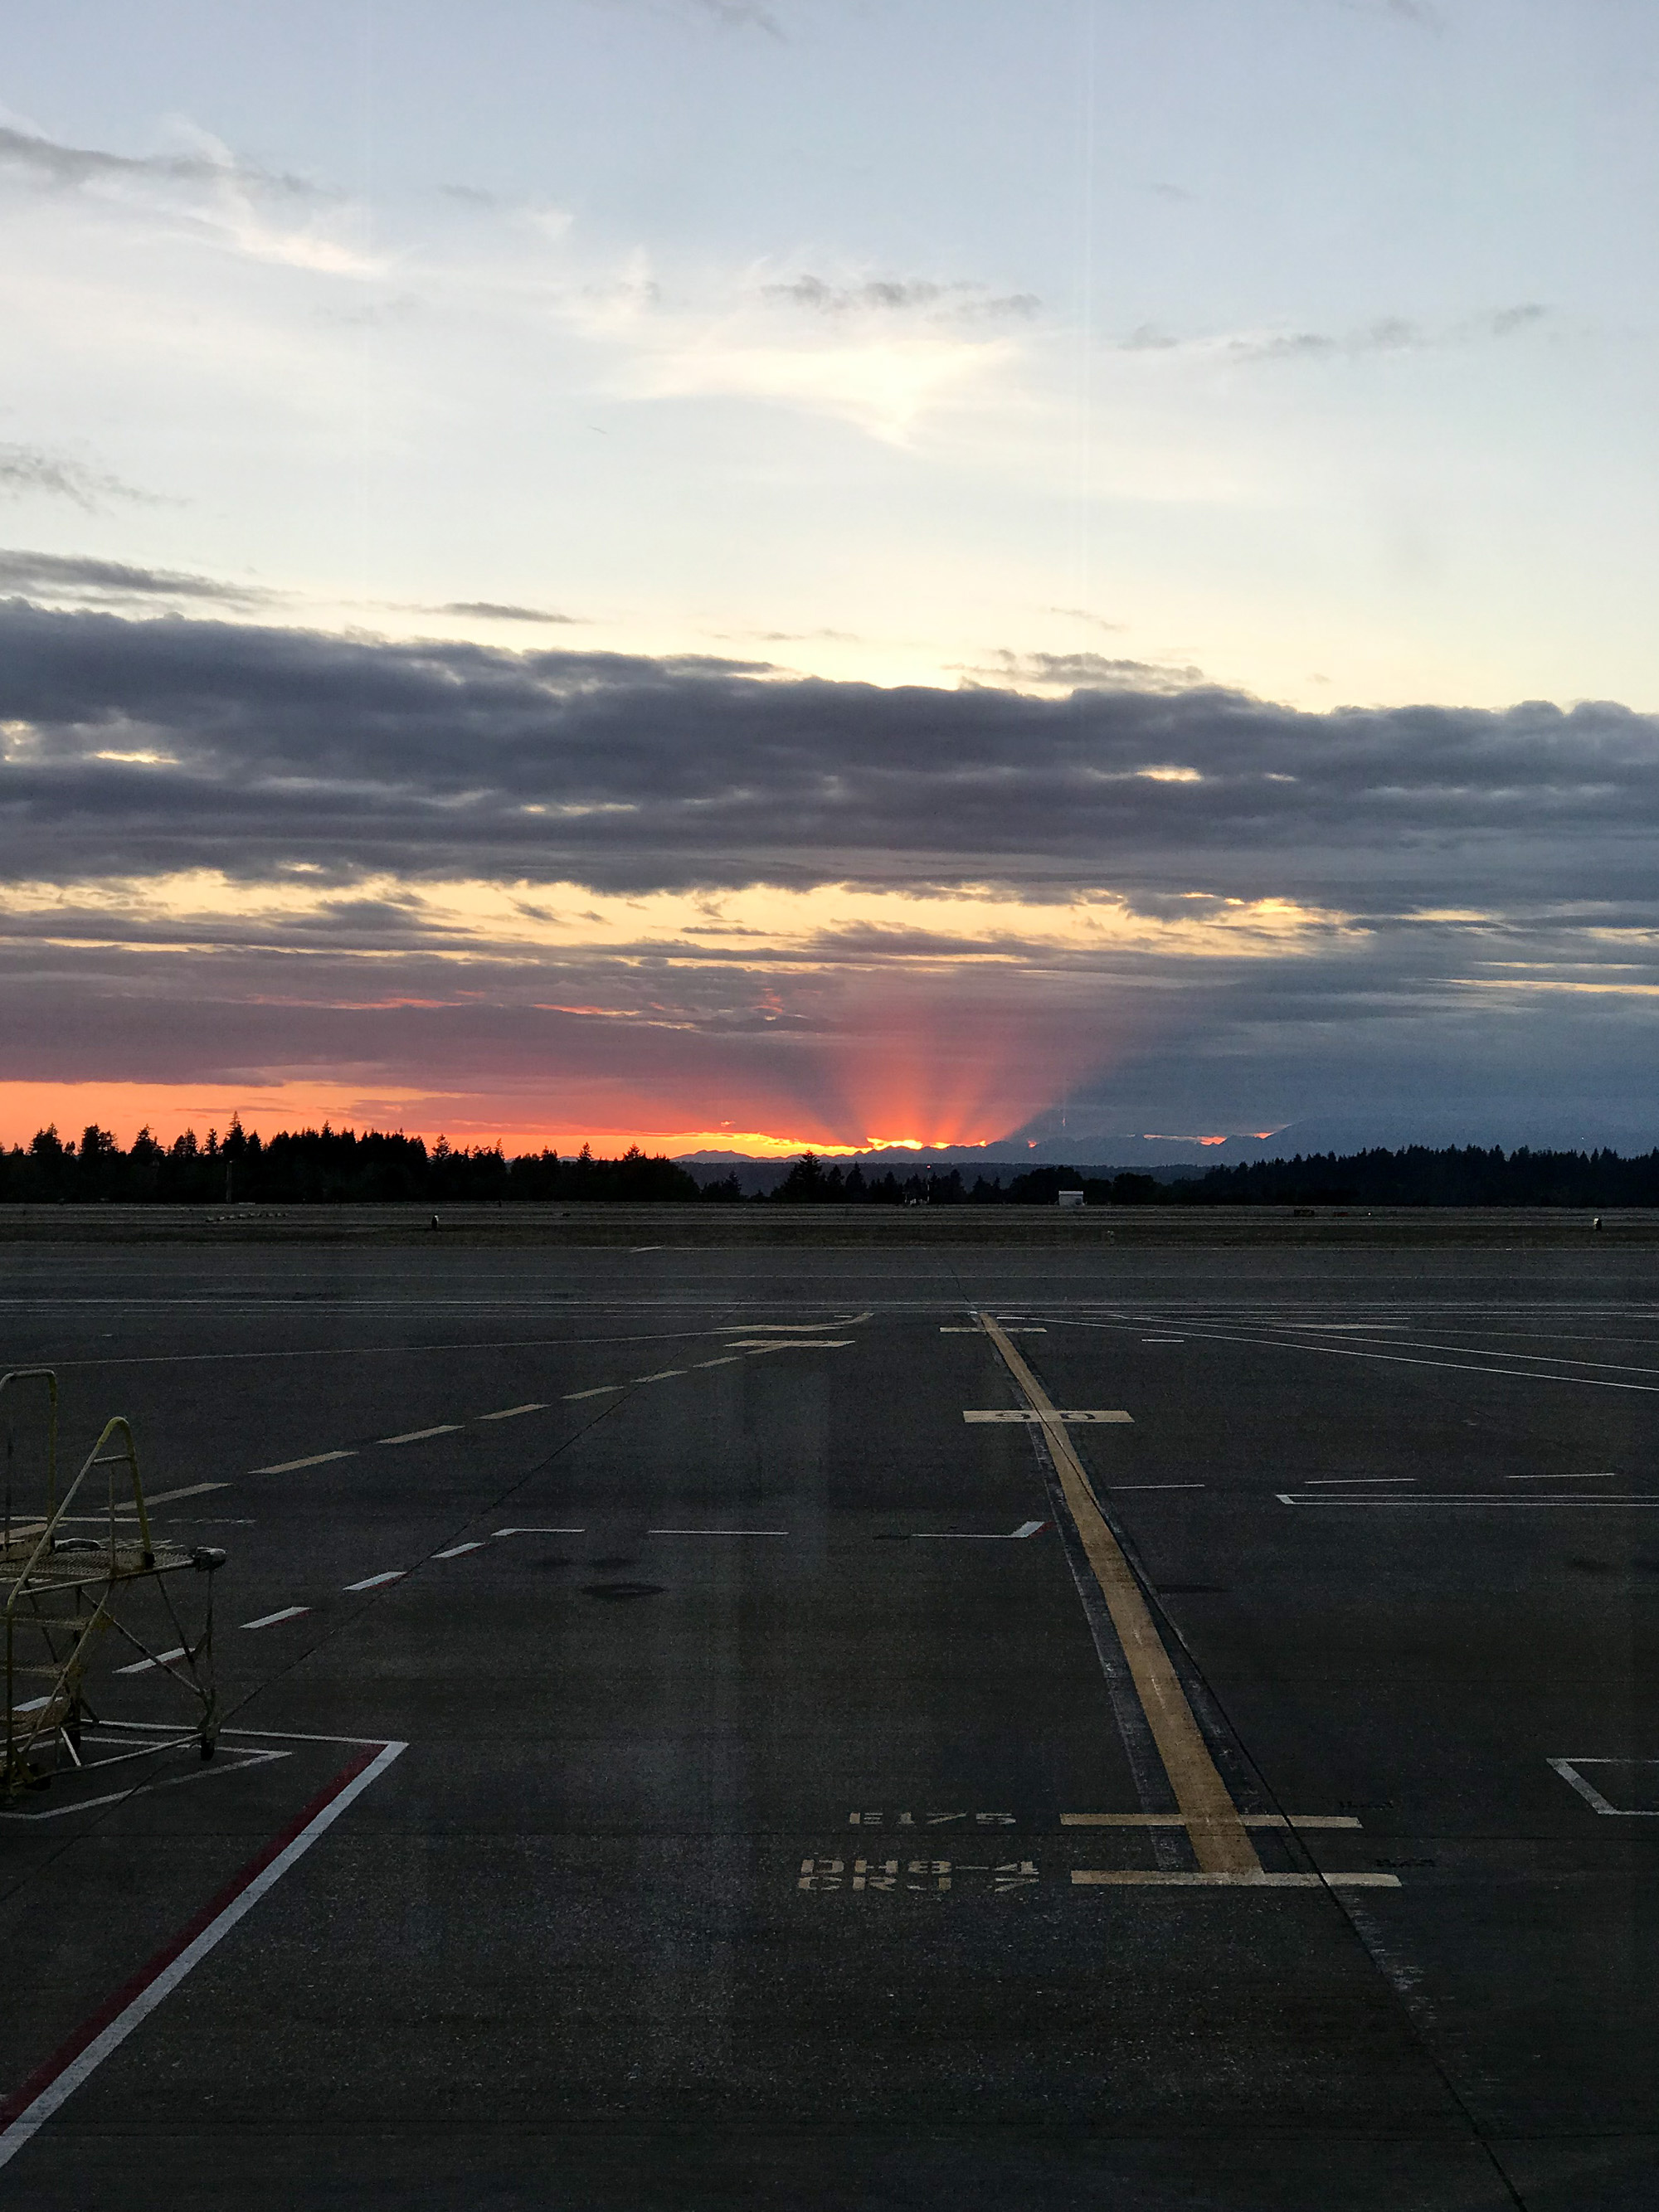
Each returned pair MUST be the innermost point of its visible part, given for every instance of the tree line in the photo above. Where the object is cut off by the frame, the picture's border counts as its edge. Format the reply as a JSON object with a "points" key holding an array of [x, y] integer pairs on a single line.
{"points": [[305, 1167], [318, 1167]]}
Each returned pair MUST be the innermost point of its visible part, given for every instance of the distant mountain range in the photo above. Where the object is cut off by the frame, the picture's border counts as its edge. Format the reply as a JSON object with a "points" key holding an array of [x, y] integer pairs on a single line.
{"points": [[1106, 1151]]}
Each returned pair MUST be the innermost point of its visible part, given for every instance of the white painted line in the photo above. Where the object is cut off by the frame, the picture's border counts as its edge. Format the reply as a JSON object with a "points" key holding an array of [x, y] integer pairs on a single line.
{"points": [[1603, 1474], [1076, 1417], [374, 1581], [512, 1412], [79, 2058], [647, 1248], [731, 1360], [235, 1759], [979, 1536], [1212, 1335], [1479, 1498], [1314, 1481], [271, 1620], [167, 1496], [1164, 1340], [538, 1532], [35, 1704], [662, 1375], [291, 1466], [1568, 1771], [1179, 1820], [802, 1327], [419, 1435], [456, 1550], [717, 1532], [143, 1665], [603, 1390], [753, 1344], [1141, 1879], [1020, 1329]]}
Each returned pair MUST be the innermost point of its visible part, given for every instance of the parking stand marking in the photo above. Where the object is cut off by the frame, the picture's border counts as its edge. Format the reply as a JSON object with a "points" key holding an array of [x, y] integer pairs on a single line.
{"points": [[28, 2109]]}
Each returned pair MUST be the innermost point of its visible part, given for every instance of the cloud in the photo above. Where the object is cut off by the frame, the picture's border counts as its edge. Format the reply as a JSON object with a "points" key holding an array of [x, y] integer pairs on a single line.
{"points": [[208, 194], [1387, 334], [1073, 671], [35, 471], [635, 774], [902, 296], [255, 853], [742, 15], [47, 162], [490, 610], [75, 576], [1082, 615]]}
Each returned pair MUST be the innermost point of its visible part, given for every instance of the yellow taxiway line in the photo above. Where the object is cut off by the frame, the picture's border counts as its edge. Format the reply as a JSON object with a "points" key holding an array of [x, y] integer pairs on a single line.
{"points": [[1221, 1842]]}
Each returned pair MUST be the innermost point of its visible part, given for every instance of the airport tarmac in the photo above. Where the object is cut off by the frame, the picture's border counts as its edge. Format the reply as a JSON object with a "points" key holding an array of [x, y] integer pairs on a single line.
{"points": [[676, 1755]]}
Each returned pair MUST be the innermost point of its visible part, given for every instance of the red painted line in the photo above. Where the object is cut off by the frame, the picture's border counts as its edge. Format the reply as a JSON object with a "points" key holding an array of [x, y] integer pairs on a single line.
{"points": [[27, 2107]]}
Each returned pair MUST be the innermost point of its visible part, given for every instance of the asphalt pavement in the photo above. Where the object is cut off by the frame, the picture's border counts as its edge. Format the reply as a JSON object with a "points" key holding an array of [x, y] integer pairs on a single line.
{"points": [[672, 1757]]}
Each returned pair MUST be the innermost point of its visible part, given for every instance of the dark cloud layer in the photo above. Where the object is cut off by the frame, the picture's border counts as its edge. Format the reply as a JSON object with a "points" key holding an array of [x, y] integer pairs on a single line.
{"points": [[275, 746], [1497, 977], [76, 577]]}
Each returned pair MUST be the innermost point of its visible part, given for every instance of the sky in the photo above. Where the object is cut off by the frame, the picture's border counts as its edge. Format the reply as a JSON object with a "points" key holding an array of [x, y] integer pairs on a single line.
{"points": [[734, 576]]}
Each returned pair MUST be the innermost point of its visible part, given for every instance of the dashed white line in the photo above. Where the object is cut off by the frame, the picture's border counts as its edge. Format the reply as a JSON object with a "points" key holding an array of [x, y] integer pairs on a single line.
{"points": [[291, 1465], [602, 1390], [456, 1550], [731, 1359], [512, 1412], [374, 1581], [1601, 1474], [538, 1532], [143, 1665], [271, 1620], [662, 1375], [167, 1496], [979, 1536], [1480, 1497], [419, 1435]]}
